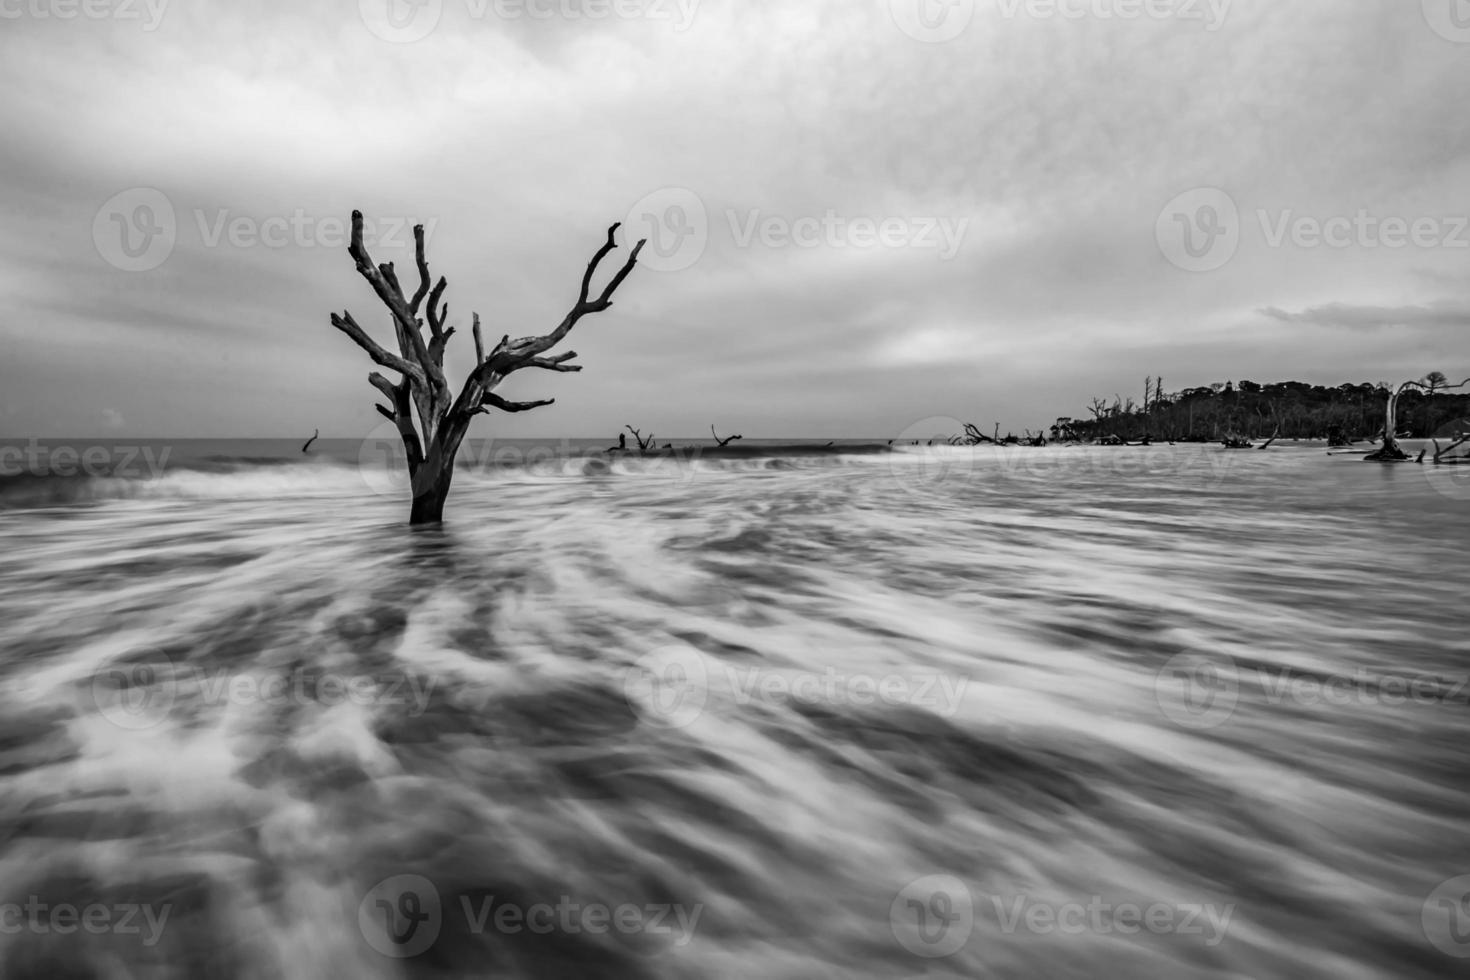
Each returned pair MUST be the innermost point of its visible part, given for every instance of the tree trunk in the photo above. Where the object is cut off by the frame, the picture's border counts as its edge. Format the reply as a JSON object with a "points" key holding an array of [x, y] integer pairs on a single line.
{"points": [[1390, 452], [428, 506]]}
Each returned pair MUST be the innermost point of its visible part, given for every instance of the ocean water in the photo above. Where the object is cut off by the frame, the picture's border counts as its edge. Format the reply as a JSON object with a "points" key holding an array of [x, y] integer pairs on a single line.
{"points": [[838, 712]]}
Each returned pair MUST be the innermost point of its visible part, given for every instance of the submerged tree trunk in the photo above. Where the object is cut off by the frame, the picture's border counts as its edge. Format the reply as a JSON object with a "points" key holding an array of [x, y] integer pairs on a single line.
{"points": [[428, 504], [431, 424]]}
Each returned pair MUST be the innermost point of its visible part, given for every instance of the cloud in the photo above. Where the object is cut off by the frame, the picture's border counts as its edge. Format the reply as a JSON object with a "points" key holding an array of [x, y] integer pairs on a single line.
{"points": [[1437, 316], [521, 139]]}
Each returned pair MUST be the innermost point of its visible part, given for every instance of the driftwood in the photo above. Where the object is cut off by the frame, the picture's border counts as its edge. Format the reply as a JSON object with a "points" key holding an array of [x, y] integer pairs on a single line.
{"points": [[315, 433], [1274, 436], [722, 443], [431, 420], [974, 437], [644, 445], [1443, 455]]}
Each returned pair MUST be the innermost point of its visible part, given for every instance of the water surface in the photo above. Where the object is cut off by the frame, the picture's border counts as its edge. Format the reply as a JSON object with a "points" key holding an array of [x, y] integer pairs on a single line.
{"points": [[819, 716]]}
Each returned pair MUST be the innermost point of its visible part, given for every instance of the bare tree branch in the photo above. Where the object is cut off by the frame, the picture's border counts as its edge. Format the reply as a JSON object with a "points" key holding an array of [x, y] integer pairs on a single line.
{"points": [[393, 362], [385, 284], [423, 263], [495, 401], [557, 363]]}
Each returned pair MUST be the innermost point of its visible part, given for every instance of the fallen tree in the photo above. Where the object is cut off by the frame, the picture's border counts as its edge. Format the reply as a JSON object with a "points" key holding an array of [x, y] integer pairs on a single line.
{"points": [[974, 437], [430, 419], [1462, 436], [722, 443]]}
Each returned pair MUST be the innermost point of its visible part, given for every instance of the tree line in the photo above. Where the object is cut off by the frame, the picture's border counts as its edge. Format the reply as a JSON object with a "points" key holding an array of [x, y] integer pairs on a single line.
{"points": [[1285, 409]]}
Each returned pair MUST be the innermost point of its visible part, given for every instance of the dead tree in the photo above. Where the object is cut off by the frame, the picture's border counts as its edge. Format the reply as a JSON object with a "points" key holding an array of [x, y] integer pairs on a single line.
{"points": [[1276, 435], [722, 443], [431, 420], [314, 434], [1390, 451], [644, 445], [974, 437]]}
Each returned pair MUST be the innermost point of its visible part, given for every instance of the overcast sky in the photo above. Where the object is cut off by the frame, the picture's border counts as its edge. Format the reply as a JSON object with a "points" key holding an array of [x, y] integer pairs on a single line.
{"points": [[863, 213]]}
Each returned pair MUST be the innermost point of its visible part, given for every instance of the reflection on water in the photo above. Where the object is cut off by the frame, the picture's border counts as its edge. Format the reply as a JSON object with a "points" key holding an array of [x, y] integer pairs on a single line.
{"points": [[1166, 712]]}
